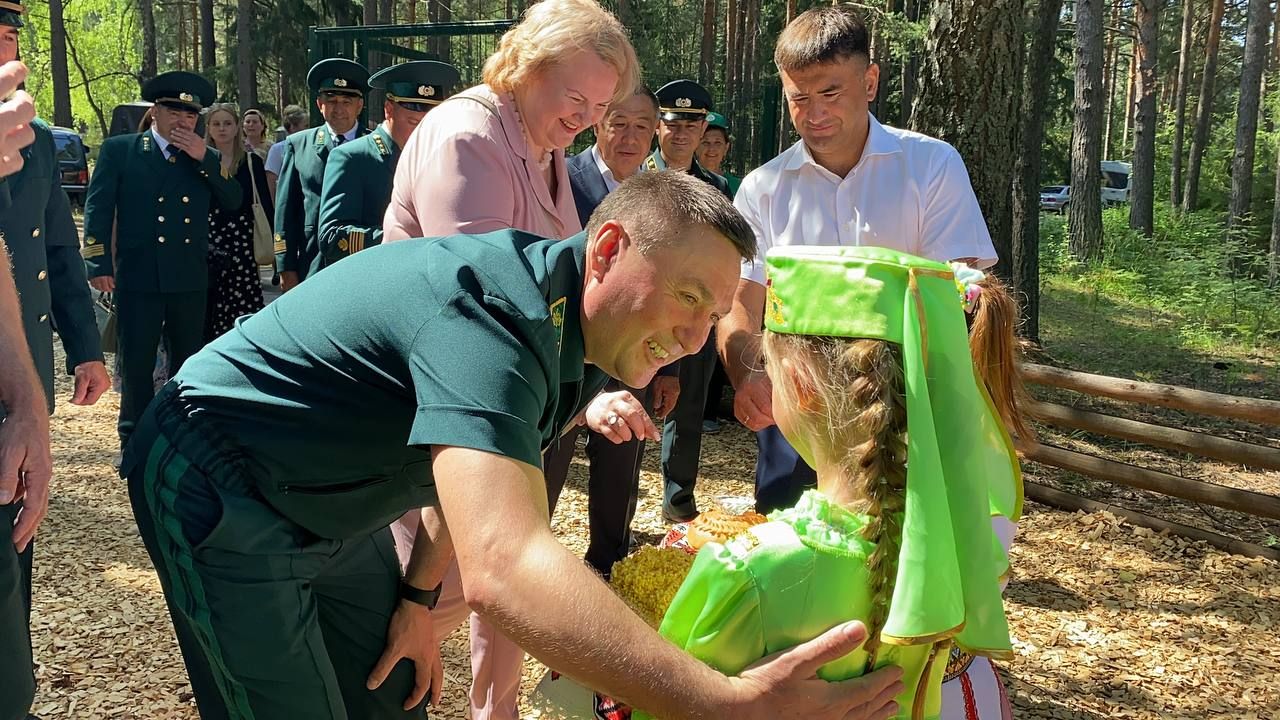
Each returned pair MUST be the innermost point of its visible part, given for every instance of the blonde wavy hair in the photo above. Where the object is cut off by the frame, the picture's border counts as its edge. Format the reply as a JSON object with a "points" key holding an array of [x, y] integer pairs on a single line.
{"points": [[551, 31], [237, 142]]}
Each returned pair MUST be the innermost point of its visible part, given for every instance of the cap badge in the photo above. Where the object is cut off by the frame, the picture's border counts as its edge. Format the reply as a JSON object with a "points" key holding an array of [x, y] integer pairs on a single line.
{"points": [[339, 82], [186, 97], [684, 102], [426, 91]]}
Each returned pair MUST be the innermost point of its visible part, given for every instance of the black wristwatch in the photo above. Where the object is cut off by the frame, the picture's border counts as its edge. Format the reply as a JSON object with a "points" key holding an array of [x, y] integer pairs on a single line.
{"points": [[426, 598]]}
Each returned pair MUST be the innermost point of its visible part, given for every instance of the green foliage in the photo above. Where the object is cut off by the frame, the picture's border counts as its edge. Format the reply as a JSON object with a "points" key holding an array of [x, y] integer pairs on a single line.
{"points": [[108, 42], [1191, 269]]}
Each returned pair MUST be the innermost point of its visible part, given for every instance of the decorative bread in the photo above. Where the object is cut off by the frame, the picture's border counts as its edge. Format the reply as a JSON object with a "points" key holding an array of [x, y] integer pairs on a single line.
{"points": [[719, 526]]}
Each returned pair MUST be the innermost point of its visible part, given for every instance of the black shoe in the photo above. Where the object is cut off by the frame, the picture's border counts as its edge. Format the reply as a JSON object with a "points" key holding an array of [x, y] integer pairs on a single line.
{"points": [[710, 427], [672, 516]]}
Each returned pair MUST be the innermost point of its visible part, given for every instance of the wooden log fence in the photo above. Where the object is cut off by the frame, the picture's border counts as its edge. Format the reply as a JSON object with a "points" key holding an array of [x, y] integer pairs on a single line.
{"points": [[1170, 396], [1197, 401]]}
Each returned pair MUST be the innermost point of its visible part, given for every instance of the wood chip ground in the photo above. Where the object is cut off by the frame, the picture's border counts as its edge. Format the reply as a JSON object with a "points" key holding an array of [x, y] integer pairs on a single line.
{"points": [[1110, 621]]}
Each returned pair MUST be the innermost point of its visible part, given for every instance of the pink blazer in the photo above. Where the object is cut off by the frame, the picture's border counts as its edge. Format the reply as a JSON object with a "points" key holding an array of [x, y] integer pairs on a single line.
{"points": [[466, 170]]}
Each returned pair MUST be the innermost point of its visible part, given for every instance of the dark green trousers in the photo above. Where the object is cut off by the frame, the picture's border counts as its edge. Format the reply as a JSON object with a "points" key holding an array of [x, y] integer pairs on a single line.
{"points": [[142, 319], [17, 682], [274, 622]]}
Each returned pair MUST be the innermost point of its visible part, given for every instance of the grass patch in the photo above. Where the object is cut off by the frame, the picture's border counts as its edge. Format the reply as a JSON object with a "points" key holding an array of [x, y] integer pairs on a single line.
{"points": [[1189, 306]]}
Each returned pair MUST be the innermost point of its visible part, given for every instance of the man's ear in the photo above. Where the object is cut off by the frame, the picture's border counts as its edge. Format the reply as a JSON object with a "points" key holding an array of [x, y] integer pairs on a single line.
{"points": [[606, 247], [872, 77]]}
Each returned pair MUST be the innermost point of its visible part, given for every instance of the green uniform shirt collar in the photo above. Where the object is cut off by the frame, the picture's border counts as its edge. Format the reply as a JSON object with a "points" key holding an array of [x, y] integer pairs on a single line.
{"points": [[657, 162], [565, 261]]}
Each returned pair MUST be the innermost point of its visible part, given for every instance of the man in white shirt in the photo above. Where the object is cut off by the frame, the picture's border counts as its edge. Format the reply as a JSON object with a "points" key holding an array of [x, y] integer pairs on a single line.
{"points": [[295, 120], [849, 181]]}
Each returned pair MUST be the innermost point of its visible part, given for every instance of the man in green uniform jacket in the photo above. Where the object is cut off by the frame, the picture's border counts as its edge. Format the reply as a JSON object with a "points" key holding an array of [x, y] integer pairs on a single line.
{"points": [[359, 174], [44, 253], [683, 106], [264, 476], [339, 86], [156, 188]]}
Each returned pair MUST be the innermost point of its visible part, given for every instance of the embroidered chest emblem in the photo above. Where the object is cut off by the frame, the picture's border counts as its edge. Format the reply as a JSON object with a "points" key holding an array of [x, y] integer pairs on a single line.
{"points": [[557, 320]]}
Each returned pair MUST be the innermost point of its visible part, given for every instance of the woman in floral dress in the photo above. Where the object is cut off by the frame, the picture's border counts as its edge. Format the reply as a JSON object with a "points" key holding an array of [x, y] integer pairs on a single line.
{"points": [[234, 286]]}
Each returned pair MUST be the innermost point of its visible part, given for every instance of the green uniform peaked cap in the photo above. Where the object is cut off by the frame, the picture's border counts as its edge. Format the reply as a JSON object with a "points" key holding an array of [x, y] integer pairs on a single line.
{"points": [[961, 466]]}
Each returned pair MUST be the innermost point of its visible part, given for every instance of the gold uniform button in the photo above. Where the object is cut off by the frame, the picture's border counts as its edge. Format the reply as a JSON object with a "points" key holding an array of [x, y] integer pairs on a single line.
{"points": [[187, 241], [186, 199], [43, 318], [161, 238], [186, 220], [160, 218], [42, 275], [35, 233], [160, 199]]}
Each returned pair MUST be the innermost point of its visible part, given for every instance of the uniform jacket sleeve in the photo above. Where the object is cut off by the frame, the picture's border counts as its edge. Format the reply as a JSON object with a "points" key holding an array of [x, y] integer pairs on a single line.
{"points": [[68, 286], [100, 206], [343, 206], [226, 191], [290, 238]]}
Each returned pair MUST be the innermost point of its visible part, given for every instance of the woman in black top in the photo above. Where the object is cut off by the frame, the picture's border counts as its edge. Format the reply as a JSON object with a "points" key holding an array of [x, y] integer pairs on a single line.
{"points": [[234, 285]]}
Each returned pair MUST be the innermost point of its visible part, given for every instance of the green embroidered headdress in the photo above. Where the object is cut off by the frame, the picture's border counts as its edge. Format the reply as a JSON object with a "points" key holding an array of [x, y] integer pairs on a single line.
{"points": [[961, 466]]}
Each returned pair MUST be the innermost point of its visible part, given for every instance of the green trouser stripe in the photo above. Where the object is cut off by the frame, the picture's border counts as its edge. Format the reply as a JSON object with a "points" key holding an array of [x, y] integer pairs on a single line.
{"points": [[164, 471]]}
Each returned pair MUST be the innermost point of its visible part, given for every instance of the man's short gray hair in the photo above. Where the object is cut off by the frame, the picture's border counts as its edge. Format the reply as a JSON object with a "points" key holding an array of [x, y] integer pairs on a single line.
{"points": [[656, 207]]}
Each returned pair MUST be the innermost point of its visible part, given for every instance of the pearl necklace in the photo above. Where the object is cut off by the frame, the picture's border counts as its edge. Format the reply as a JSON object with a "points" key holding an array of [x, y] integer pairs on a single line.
{"points": [[543, 162]]}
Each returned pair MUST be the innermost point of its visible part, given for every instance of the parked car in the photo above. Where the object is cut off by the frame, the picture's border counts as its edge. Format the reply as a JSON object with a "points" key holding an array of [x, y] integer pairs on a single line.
{"points": [[73, 163], [1115, 182], [1054, 198]]}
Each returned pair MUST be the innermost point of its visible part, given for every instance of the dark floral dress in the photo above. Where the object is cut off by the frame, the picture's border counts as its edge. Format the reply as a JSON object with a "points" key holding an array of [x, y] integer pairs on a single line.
{"points": [[235, 288]]}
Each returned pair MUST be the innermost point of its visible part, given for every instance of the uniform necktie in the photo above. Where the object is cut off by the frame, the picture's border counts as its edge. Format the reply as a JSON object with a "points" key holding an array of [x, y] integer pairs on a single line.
{"points": [[339, 139]]}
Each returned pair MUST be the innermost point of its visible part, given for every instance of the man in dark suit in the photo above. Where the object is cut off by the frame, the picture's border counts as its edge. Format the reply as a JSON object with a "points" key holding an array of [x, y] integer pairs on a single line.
{"points": [[623, 139]]}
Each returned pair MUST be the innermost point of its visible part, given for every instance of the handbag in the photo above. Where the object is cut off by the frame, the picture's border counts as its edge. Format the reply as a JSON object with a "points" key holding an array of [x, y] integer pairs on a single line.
{"points": [[105, 314], [264, 252]]}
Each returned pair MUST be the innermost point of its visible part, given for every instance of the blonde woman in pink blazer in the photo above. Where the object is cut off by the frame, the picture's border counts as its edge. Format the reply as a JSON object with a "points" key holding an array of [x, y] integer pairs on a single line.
{"points": [[492, 158]]}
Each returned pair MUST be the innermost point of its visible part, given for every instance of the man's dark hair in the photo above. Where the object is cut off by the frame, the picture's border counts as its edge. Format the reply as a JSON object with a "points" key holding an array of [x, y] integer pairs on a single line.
{"points": [[657, 207], [821, 35]]}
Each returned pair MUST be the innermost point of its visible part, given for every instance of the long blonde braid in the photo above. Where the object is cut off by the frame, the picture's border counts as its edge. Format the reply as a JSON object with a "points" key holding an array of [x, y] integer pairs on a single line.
{"points": [[862, 410]]}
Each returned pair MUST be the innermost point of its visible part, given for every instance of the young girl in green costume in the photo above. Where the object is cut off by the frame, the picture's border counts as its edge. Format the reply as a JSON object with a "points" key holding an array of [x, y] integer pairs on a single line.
{"points": [[875, 387]]}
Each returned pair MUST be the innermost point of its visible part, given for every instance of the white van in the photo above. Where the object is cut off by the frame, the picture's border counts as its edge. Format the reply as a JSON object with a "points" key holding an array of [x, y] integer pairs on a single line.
{"points": [[1115, 182]]}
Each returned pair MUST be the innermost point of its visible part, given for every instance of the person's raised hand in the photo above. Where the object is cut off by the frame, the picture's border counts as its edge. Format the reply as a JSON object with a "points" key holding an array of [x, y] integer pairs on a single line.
{"points": [[189, 143], [619, 417], [16, 113], [753, 401]]}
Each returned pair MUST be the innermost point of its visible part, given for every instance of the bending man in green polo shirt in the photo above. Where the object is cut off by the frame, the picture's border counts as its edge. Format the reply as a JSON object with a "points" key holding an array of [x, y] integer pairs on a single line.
{"points": [[264, 476]]}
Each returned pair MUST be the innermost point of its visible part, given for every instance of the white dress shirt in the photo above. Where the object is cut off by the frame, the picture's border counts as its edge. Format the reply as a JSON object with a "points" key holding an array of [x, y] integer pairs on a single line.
{"points": [[160, 142], [610, 183], [908, 191], [275, 158]]}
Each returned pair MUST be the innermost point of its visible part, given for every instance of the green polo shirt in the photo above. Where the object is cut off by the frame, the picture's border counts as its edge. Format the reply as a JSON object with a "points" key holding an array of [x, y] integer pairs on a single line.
{"points": [[336, 390]]}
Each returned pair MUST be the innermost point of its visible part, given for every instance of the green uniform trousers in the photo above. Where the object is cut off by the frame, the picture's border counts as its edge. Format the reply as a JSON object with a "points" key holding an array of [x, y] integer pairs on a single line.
{"points": [[274, 622], [17, 682], [141, 319]]}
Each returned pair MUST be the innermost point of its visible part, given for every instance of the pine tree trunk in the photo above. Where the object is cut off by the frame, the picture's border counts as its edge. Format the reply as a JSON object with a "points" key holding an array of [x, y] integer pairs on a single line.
{"points": [[1084, 215], [910, 67], [58, 65], [1273, 267], [1204, 109], [978, 113], [1180, 105], [707, 57], [146, 9], [208, 48], [246, 56], [1130, 90], [1142, 182], [1026, 182], [1109, 69], [1255, 57]]}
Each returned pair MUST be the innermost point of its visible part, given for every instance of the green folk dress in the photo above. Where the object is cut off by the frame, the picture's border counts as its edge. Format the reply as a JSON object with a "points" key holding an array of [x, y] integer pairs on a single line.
{"points": [[788, 581]]}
